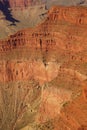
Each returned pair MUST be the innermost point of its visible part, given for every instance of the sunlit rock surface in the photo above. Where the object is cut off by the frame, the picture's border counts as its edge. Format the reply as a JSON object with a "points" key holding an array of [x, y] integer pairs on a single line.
{"points": [[20, 14], [43, 73]]}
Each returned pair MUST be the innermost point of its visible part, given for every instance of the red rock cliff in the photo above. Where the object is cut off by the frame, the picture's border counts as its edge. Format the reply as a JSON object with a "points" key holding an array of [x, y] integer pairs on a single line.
{"points": [[77, 15], [37, 64]]}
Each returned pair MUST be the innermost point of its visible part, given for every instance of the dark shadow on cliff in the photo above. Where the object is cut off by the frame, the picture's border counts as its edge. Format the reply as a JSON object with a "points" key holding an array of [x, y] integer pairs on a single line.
{"points": [[4, 7], [81, 2]]}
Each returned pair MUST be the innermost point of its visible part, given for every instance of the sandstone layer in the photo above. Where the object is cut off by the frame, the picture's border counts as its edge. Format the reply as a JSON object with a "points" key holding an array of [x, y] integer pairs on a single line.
{"points": [[42, 72]]}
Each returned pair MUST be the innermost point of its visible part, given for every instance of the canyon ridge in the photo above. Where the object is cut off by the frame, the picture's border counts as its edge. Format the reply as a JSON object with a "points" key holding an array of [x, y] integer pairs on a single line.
{"points": [[43, 73]]}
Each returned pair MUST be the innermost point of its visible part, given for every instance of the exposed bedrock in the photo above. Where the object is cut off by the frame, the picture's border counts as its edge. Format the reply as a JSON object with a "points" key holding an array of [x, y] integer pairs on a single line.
{"points": [[43, 73]]}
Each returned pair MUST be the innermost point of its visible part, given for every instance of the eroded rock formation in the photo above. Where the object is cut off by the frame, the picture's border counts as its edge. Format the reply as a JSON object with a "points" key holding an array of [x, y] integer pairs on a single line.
{"points": [[70, 14], [41, 74], [21, 4], [20, 14]]}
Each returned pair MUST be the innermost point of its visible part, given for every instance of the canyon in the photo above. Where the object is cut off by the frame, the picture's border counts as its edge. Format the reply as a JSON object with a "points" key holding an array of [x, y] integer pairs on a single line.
{"points": [[43, 73], [16, 15], [20, 14]]}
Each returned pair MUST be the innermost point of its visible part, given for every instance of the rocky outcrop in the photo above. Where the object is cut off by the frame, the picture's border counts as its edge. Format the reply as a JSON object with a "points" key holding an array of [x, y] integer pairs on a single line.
{"points": [[57, 16], [69, 14], [20, 17], [74, 114], [41, 70], [21, 4]]}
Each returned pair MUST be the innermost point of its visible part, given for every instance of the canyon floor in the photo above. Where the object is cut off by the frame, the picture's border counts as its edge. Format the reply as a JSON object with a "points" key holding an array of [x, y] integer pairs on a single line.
{"points": [[43, 74]]}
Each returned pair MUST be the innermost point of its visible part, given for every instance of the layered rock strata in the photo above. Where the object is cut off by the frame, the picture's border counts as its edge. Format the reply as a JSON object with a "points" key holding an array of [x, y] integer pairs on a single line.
{"points": [[41, 72]]}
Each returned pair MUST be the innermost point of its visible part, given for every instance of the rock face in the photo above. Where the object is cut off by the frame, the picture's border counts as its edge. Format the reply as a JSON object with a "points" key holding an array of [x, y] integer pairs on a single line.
{"points": [[41, 74], [20, 14], [85, 90], [22, 3], [70, 14]]}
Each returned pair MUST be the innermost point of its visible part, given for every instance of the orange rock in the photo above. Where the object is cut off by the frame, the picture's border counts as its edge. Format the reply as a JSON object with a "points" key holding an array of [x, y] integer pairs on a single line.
{"points": [[36, 63], [84, 87]]}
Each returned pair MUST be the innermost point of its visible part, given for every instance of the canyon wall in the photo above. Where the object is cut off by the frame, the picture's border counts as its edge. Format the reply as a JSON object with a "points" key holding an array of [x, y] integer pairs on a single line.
{"points": [[69, 14], [41, 73], [22, 4]]}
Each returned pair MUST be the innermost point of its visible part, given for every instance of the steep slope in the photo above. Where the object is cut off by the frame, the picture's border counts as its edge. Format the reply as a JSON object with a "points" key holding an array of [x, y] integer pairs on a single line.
{"points": [[22, 4], [42, 70], [74, 114], [21, 14]]}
